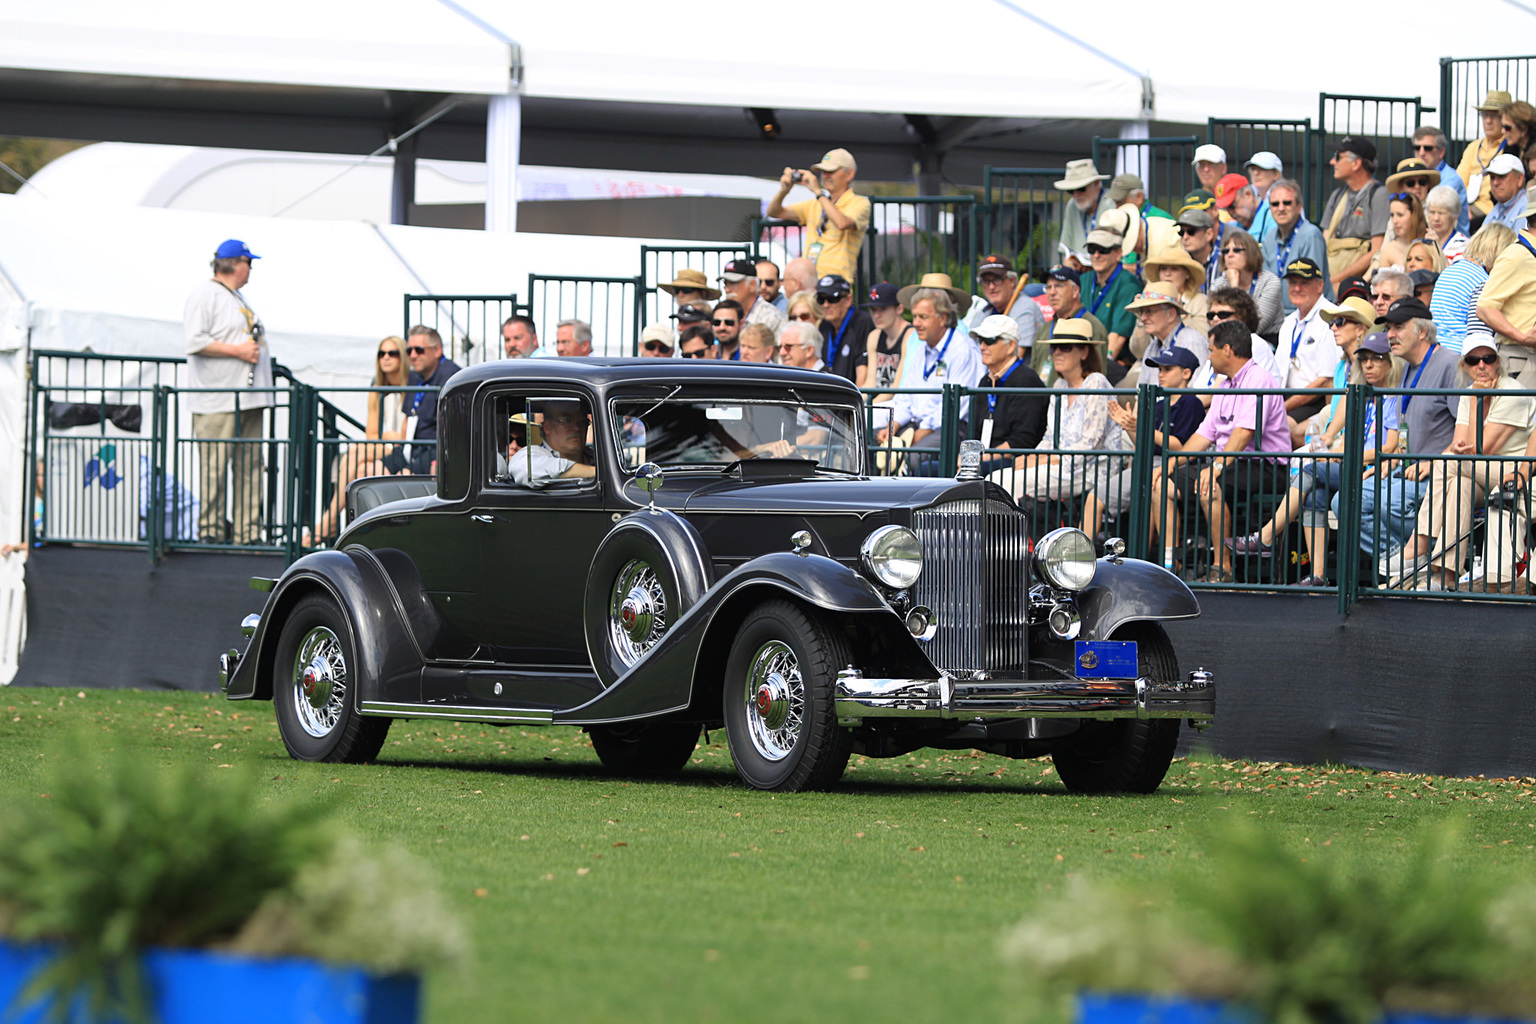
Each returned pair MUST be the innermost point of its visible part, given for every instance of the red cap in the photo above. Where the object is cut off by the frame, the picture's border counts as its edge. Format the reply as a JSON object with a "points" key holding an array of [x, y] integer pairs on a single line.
{"points": [[1227, 189]]}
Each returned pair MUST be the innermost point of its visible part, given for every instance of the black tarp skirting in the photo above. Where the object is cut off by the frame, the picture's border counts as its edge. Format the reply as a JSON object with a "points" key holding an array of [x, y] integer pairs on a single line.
{"points": [[1406, 685]]}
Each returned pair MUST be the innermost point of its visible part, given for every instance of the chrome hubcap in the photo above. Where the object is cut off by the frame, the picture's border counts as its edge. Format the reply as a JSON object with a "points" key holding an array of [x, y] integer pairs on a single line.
{"points": [[775, 697], [319, 682], [637, 611]]}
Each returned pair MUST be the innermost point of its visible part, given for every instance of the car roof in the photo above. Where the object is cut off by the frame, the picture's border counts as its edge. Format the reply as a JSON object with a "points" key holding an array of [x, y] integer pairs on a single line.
{"points": [[604, 371]]}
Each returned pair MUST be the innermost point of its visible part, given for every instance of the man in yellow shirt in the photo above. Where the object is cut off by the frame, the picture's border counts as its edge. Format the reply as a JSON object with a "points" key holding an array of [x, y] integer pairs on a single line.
{"points": [[835, 221], [1507, 304], [1480, 153]]}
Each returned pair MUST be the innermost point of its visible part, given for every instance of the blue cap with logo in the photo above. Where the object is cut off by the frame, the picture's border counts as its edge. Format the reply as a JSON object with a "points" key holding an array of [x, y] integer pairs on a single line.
{"points": [[883, 294], [232, 249], [1176, 356]]}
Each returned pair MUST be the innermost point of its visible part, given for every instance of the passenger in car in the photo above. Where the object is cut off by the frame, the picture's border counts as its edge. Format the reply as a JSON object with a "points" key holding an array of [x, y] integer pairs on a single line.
{"points": [[562, 454]]}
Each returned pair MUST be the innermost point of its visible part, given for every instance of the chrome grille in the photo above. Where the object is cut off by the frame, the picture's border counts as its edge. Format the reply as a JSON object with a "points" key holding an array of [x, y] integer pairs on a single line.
{"points": [[976, 580]]}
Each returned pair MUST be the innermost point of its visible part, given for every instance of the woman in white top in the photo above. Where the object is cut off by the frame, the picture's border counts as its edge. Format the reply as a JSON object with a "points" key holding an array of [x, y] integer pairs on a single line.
{"points": [[1441, 212], [1242, 263], [386, 422]]}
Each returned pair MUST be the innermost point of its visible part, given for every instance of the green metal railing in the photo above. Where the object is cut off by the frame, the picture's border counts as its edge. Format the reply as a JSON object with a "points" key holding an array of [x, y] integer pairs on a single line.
{"points": [[1465, 82]]}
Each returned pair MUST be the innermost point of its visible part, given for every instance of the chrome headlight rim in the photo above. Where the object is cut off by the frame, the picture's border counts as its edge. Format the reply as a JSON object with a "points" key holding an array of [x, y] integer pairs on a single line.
{"points": [[1065, 559], [893, 556]]}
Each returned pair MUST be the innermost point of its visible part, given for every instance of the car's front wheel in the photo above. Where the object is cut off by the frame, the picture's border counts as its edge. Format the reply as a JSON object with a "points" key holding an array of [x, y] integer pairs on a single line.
{"points": [[314, 687], [645, 746], [1126, 755], [780, 682]]}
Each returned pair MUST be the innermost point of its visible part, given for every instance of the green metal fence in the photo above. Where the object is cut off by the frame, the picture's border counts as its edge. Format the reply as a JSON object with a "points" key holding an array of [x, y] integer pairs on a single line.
{"points": [[1465, 82], [1165, 165], [470, 325], [1291, 141], [1020, 216]]}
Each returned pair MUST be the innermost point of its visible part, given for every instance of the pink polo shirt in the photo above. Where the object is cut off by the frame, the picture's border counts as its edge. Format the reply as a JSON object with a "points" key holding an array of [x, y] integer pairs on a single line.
{"points": [[1229, 412]]}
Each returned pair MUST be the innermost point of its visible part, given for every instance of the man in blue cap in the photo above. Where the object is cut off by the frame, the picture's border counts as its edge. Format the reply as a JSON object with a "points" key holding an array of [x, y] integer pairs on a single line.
{"points": [[227, 352], [1064, 291]]}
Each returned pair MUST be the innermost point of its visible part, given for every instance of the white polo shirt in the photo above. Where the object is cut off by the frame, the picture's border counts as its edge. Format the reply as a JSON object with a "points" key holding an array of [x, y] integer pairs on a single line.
{"points": [[1306, 350]]}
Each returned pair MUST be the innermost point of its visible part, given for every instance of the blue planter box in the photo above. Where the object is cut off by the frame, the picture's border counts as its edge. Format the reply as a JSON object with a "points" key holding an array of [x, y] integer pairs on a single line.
{"points": [[192, 986], [1099, 1008]]}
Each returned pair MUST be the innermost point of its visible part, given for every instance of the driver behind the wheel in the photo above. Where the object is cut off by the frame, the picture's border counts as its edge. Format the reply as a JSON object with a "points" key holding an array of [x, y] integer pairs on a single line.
{"points": [[562, 455]]}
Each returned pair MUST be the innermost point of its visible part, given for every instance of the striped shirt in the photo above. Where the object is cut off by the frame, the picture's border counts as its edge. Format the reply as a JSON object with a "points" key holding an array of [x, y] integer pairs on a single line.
{"points": [[1455, 300]]}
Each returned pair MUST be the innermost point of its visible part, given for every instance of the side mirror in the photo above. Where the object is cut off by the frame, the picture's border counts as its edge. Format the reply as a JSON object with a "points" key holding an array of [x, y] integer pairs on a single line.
{"points": [[649, 479]]}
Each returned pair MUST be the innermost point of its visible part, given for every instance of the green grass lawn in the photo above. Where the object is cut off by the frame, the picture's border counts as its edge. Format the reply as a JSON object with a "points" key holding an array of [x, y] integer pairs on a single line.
{"points": [[589, 897]]}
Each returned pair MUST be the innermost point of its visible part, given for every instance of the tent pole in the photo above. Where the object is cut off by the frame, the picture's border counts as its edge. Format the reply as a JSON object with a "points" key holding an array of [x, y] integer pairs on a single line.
{"points": [[503, 142], [402, 194]]}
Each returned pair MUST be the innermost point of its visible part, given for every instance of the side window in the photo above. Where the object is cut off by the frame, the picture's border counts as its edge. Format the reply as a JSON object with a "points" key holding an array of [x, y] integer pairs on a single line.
{"points": [[541, 441]]}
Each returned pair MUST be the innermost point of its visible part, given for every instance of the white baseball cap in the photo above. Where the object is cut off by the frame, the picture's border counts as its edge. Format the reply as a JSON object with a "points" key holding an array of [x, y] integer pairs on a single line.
{"points": [[1505, 163], [1210, 154], [1266, 160]]}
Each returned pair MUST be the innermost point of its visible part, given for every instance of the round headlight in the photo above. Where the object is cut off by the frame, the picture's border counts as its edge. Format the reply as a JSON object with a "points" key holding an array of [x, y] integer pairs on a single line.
{"points": [[1065, 558], [893, 556]]}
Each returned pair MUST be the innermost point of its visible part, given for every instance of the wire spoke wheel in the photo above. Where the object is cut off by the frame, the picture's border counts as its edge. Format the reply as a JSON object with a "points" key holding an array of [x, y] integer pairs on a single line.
{"points": [[637, 611], [320, 682], [775, 696]]}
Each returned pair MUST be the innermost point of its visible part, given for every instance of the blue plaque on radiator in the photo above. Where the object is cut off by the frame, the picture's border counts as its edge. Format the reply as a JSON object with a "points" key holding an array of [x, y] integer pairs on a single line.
{"points": [[1106, 659]]}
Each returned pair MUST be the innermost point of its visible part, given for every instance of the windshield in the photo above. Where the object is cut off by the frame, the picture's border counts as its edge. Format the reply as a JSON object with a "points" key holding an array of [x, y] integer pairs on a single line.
{"points": [[717, 433]]}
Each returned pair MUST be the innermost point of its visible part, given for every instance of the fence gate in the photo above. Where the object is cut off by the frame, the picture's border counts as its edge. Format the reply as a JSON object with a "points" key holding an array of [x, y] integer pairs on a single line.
{"points": [[659, 265], [1166, 165], [1464, 83], [777, 240], [607, 303], [469, 324], [910, 236], [1388, 121], [1018, 217], [1291, 141]]}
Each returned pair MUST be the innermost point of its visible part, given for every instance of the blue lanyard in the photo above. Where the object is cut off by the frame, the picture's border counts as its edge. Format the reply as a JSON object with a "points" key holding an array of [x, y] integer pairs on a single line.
{"points": [[936, 363], [736, 356], [1417, 374], [837, 342], [1296, 337], [1283, 256], [1098, 299], [992, 399]]}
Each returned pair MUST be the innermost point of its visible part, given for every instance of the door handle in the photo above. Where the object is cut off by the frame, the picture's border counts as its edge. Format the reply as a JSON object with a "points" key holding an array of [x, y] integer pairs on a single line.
{"points": [[483, 518]]}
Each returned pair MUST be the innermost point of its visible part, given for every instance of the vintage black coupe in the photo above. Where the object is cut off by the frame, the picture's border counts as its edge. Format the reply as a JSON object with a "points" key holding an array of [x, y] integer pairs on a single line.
{"points": [[646, 548]]}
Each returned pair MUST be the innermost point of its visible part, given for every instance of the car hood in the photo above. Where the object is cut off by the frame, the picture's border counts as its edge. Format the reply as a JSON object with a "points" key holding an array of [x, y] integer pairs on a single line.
{"points": [[829, 494]]}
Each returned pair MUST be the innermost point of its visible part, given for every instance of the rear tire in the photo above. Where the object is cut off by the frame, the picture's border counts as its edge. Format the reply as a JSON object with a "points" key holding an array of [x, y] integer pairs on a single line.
{"points": [[1127, 755], [778, 700], [640, 747], [314, 687]]}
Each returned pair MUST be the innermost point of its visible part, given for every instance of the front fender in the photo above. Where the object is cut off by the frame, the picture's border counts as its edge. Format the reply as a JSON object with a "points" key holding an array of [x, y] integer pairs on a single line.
{"points": [[1129, 589], [664, 678], [388, 660]]}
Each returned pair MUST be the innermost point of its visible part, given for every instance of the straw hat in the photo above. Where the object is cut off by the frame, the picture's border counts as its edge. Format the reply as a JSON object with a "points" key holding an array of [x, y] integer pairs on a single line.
{"points": [[1411, 168], [1353, 308], [1077, 331], [1176, 257], [1156, 294], [1496, 101], [690, 278], [1080, 173], [959, 296]]}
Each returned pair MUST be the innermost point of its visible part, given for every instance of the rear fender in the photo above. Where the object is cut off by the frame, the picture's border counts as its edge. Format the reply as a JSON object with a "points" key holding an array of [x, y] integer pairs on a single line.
{"points": [[1129, 590], [685, 668], [388, 659]]}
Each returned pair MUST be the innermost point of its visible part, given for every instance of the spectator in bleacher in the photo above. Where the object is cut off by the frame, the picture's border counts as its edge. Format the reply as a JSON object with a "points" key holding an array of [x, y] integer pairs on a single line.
{"points": [[1235, 304], [727, 323], [1264, 169], [658, 340], [694, 314], [798, 346], [1199, 199], [1405, 222], [1236, 196], [884, 346], [226, 351], [1307, 352], [835, 220], [690, 287], [1315, 481], [1354, 219], [1415, 177], [741, 283], [573, 338], [1015, 422], [424, 351], [1170, 429], [1064, 292], [1242, 263], [1159, 312], [1295, 236], [1507, 305], [520, 337], [1506, 177], [1518, 122], [386, 422], [949, 356], [1210, 165], [1440, 538], [1085, 185], [844, 327], [1175, 266], [769, 285], [1350, 321], [1442, 212], [1430, 145], [1234, 423], [1107, 290], [1004, 292], [1423, 255], [1458, 289], [1423, 280], [1356, 286], [757, 344], [697, 341], [1076, 422], [802, 308], [1429, 422], [1387, 286], [1158, 229], [1473, 168], [1198, 234], [799, 276]]}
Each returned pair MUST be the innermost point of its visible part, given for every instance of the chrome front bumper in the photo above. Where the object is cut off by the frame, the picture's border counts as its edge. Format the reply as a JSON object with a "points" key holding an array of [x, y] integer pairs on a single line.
{"points": [[859, 698]]}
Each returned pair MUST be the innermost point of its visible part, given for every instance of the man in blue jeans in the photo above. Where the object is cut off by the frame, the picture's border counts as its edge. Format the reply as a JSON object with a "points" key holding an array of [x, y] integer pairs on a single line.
{"points": [[1389, 505]]}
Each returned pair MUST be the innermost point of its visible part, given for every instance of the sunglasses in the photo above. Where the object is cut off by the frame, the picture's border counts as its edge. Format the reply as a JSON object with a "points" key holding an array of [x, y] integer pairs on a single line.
{"points": [[1282, 202], [1186, 230], [1509, 127], [1378, 297], [1421, 147], [769, 281], [981, 340], [415, 350], [657, 346], [1219, 315], [1097, 250], [389, 353], [822, 299], [1487, 360], [1372, 357], [1404, 196], [697, 353], [1080, 191], [1342, 321], [808, 318], [1234, 250], [725, 323]]}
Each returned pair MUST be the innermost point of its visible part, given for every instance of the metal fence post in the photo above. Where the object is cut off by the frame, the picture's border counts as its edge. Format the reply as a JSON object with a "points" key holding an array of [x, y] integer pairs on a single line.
{"points": [[154, 529], [949, 431], [1351, 470], [1140, 539]]}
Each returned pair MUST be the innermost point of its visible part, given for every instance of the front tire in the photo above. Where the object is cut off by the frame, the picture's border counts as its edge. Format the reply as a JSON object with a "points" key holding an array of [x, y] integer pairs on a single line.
{"points": [[778, 702], [1126, 755], [640, 747], [314, 687]]}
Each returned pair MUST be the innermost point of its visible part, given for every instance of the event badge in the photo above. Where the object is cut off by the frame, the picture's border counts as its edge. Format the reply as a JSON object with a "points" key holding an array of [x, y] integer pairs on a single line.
{"points": [[986, 432], [814, 252], [1474, 186]]}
